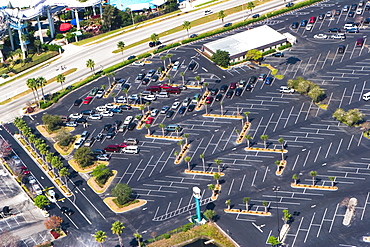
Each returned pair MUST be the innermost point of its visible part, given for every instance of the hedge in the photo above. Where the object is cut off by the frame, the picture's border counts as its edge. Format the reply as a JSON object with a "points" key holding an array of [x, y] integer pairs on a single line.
{"points": [[284, 46], [268, 52]]}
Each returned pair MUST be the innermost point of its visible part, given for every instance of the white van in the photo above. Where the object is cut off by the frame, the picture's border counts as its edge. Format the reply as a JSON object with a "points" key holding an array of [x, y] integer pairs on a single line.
{"points": [[175, 66], [131, 150], [349, 26], [366, 96], [162, 95]]}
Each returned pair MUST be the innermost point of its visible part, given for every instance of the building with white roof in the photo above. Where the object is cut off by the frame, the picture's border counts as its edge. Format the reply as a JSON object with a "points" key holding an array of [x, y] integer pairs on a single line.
{"points": [[262, 38]]}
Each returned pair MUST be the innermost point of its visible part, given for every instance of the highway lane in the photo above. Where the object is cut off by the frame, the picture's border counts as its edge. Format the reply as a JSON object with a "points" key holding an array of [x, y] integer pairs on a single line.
{"points": [[101, 54]]}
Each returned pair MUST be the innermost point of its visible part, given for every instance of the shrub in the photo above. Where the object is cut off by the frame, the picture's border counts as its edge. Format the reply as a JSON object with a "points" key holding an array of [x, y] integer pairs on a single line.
{"points": [[65, 139], [284, 46], [59, 36], [166, 236], [268, 52]]}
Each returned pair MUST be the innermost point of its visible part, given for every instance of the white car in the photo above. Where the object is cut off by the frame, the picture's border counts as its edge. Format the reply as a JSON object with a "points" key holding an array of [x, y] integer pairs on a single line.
{"points": [[285, 89], [99, 94], [320, 36], [133, 97], [359, 11], [150, 97], [154, 112], [128, 120], [37, 189], [75, 116], [121, 99], [186, 101], [71, 124], [101, 108], [107, 114], [95, 116], [31, 180], [51, 196], [138, 63], [103, 157], [175, 105], [79, 143], [110, 106], [338, 36], [309, 27]]}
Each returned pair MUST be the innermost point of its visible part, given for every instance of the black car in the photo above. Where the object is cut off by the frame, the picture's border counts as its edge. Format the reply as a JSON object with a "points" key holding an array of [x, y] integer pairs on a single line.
{"points": [[224, 88], [295, 25], [229, 94], [194, 35], [151, 44], [252, 79], [154, 78], [341, 49], [249, 87], [77, 102], [191, 108], [145, 81], [218, 97], [116, 110], [367, 20], [352, 30], [256, 16], [228, 24], [131, 126], [278, 54], [117, 123], [67, 211], [351, 14], [214, 91], [126, 86], [182, 109], [99, 137], [334, 30], [107, 127], [111, 133], [88, 112], [131, 57], [289, 5], [192, 66], [321, 16], [169, 113], [125, 107], [157, 43], [81, 120], [98, 151], [140, 76], [354, 6], [238, 91], [337, 12]]}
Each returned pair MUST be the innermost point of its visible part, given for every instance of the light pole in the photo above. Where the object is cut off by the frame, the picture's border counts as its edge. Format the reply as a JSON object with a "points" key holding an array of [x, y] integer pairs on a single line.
{"points": [[276, 189], [197, 196]]}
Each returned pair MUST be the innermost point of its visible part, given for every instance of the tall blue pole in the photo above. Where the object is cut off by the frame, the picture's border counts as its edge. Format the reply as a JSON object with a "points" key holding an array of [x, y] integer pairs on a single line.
{"points": [[197, 206]]}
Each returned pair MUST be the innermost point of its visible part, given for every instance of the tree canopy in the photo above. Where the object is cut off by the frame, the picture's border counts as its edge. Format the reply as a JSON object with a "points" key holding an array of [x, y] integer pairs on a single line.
{"points": [[253, 54], [123, 192], [221, 58], [52, 122], [84, 157]]}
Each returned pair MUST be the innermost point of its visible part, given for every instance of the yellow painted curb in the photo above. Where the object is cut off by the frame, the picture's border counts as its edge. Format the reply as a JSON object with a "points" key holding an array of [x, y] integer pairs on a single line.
{"points": [[202, 173], [244, 131], [112, 206], [267, 150], [315, 187], [172, 138], [222, 116]]}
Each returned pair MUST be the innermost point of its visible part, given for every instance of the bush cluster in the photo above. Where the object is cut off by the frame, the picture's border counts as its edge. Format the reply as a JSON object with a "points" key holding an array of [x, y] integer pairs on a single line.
{"points": [[167, 235], [84, 157], [284, 46], [304, 86], [269, 52], [350, 118]]}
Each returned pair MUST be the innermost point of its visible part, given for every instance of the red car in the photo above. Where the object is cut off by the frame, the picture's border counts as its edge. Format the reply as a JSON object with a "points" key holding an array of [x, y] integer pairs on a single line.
{"points": [[149, 120], [209, 100], [122, 145], [87, 100], [165, 86], [232, 85]]}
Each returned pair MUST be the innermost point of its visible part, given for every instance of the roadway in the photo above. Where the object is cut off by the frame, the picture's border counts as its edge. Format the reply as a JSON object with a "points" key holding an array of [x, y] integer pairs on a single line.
{"points": [[76, 57]]}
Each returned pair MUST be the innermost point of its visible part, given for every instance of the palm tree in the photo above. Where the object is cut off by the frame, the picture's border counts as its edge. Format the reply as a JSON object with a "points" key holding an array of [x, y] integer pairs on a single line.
{"points": [[61, 79], [248, 138], [49, 157], [246, 200], [281, 141], [37, 44], [228, 202], [187, 159], [295, 178], [222, 111], [278, 162], [264, 139], [197, 78], [100, 237], [91, 65], [180, 143], [182, 74], [250, 6], [203, 161], [117, 228], [221, 15], [186, 136], [142, 107], [31, 83], [332, 179], [162, 126], [41, 82], [64, 173], [147, 126], [205, 85], [175, 153], [154, 37], [186, 25], [265, 204], [163, 58], [121, 46], [138, 237], [169, 79], [246, 115], [313, 174], [218, 163], [286, 216], [169, 55], [216, 177]]}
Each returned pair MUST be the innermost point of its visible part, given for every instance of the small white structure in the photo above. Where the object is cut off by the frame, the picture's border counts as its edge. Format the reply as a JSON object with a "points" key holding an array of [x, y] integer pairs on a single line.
{"points": [[262, 38]]}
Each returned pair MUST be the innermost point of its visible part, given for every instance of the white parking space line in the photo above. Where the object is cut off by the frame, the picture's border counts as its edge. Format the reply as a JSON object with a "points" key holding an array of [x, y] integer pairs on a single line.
{"points": [[318, 58], [241, 185], [350, 141], [264, 177], [322, 221], [326, 58], [231, 186], [317, 155], [254, 178], [332, 222], [305, 161], [299, 228], [287, 120], [309, 228], [340, 143], [277, 122], [366, 202]]}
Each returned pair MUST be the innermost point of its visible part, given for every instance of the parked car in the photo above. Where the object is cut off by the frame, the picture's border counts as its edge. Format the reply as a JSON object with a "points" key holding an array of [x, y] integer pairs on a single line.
{"points": [[191, 108], [132, 126], [304, 23], [295, 25], [165, 109], [238, 91], [154, 112], [87, 112], [96, 116], [154, 78], [149, 120], [103, 157], [182, 110], [87, 100], [252, 80], [262, 77], [175, 105], [100, 93], [77, 102], [169, 113], [214, 91], [99, 137], [229, 94], [150, 73], [66, 211], [232, 85], [71, 124], [228, 24], [209, 100], [224, 88], [125, 107], [285, 89], [219, 97], [278, 54], [268, 80], [320, 36]]}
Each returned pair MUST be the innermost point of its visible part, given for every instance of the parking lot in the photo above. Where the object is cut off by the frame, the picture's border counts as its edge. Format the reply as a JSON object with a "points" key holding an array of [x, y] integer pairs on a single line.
{"points": [[315, 141]]}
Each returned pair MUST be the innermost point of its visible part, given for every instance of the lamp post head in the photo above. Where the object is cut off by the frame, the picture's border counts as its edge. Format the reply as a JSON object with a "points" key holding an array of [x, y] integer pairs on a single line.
{"points": [[196, 193]]}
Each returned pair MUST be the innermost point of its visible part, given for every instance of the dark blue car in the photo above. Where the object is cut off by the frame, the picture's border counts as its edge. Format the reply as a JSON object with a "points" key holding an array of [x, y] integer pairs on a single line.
{"points": [[268, 80]]}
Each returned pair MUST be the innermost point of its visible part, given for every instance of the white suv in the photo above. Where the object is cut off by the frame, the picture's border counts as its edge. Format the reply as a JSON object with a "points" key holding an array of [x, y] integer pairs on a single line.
{"points": [[285, 89]]}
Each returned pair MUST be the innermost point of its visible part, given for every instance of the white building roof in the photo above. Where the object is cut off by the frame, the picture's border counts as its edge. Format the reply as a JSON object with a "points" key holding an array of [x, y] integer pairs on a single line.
{"points": [[245, 41]]}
